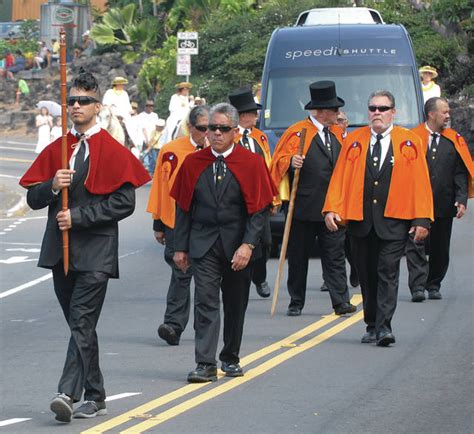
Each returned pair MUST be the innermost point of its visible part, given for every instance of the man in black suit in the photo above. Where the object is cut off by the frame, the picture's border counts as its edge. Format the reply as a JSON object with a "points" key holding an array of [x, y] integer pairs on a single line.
{"points": [[254, 140], [381, 186], [101, 183], [220, 217], [448, 160], [319, 159]]}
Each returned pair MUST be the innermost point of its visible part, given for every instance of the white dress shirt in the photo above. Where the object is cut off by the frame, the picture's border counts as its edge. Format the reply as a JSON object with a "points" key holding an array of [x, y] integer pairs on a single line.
{"points": [[90, 132], [384, 143], [320, 127], [438, 135]]}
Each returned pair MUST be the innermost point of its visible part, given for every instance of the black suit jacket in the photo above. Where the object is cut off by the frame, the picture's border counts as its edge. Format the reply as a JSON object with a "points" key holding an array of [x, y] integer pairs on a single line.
{"points": [[93, 237], [314, 179], [376, 188], [212, 216], [448, 176]]}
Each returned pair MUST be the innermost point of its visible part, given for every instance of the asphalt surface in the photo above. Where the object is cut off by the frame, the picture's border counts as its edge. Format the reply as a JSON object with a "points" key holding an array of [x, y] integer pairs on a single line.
{"points": [[308, 374]]}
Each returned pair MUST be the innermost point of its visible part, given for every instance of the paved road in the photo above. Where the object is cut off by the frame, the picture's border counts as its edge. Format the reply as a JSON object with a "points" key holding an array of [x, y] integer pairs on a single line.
{"points": [[303, 375]]}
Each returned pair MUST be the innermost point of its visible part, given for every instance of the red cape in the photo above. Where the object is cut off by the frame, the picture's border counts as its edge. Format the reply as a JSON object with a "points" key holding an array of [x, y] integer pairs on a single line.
{"points": [[249, 170], [110, 164]]}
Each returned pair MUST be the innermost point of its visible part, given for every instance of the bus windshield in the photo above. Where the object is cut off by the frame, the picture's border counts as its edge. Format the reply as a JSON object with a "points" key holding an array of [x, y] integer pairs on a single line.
{"points": [[288, 93]]}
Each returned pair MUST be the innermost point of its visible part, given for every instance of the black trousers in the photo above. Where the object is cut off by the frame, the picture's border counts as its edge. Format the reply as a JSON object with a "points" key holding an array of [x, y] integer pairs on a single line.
{"points": [[378, 266], [81, 296], [259, 273], [178, 296], [424, 274], [331, 245], [212, 274]]}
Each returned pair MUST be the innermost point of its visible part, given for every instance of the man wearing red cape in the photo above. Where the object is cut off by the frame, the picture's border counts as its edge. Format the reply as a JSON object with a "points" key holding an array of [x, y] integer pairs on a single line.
{"points": [[101, 180], [223, 194]]}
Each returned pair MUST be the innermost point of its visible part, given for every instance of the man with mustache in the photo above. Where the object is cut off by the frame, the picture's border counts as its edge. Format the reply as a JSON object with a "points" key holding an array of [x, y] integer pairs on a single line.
{"points": [[381, 186]]}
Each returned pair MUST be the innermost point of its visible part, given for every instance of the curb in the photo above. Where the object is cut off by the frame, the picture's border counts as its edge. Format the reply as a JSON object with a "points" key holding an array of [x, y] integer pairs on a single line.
{"points": [[18, 209]]}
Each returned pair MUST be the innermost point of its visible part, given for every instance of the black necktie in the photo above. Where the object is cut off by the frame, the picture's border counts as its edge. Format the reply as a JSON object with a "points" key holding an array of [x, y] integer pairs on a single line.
{"points": [[327, 138], [377, 151], [245, 140], [433, 145], [219, 171], [199, 147], [79, 161]]}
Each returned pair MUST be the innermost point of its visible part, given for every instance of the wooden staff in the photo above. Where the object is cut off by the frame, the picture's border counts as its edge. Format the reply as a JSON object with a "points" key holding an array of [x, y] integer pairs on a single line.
{"points": [[64, 159], [286, 232]]}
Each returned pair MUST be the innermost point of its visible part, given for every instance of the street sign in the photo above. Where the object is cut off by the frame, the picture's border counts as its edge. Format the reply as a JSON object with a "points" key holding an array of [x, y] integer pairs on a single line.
{"points": [[183, 64], [187, 43]]}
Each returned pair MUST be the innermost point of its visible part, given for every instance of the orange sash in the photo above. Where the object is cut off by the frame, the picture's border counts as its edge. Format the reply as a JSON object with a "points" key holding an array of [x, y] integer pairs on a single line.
{"points": [[170, 158], [287, 146], [459, 144], [409, 195]]}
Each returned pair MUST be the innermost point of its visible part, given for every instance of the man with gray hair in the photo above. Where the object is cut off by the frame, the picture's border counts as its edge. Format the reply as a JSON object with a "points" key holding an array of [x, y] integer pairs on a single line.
{"points": [[163, 208], [381, 187], [221, 213]]}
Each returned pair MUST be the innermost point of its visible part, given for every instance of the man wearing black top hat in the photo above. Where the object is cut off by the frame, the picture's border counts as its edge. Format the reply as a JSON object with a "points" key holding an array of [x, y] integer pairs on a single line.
{"points": [[321, 150], [256, 141]]}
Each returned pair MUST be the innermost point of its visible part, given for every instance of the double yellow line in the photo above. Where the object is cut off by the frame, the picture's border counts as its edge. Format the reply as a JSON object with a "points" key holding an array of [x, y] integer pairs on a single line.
{"points": [[142, 412]]}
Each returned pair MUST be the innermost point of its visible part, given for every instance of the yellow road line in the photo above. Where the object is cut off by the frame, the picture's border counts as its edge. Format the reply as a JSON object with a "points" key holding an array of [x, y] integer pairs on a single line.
{"points": [[250, 375], [17, 160], [143, 409]]}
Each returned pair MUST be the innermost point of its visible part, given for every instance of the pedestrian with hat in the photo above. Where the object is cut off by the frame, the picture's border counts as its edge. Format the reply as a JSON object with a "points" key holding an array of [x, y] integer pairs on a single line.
{"points": [[148, 119], [256, 141], [428, 86], [179, 107], [117, 98], [322, 145]]}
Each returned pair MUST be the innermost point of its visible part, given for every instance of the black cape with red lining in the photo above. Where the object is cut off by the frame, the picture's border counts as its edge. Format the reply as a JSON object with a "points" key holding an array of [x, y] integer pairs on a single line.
{"points": [[249, 170], [111, 165]]}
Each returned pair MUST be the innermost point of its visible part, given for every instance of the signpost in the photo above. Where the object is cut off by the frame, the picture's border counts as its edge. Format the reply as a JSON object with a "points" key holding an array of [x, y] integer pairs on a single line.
{"points": [[187, 45]]}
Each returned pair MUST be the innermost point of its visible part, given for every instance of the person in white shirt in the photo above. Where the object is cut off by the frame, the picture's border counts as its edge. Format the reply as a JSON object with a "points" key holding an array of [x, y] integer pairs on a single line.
{"points": [[117, 98], [428, 86], [147, 120], [179, 108]]}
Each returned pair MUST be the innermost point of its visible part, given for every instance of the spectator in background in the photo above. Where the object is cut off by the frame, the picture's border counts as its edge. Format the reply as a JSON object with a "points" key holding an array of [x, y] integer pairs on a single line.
{"points": [[18, 65], [56, 131], [179, 108], [134, 128], [153, 147], [147, 120], [44, 123], [428, 86], [343, 123], [117, 98], [55, 50]]}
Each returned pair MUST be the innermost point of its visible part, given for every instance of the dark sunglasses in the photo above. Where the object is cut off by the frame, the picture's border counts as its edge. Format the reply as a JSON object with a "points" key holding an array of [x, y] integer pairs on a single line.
{"points": [[221, 128], [380, 108], [81, 100], [202, 128]]}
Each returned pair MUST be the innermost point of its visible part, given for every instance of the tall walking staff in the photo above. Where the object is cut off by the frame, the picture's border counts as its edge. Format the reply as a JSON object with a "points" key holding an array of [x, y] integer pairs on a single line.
{"points": [[286, 232], [64, 159]]}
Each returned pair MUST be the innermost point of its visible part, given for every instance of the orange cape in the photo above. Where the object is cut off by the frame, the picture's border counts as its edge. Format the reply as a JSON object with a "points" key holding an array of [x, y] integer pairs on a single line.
{"points": [[170, 159], [287, 146], [409, 195], [262, 140], [459, 144], [110, 164], [248, 168]]}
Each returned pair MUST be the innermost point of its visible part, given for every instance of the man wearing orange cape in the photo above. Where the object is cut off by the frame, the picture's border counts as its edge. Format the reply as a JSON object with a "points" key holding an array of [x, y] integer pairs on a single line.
{"points": [[163, 208], [451, 172], [321, 150], [101, 179], [254, 140], [381, 187]]}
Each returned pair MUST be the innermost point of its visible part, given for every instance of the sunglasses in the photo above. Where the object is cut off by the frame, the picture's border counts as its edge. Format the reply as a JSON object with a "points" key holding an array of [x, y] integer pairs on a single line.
{"points": [[202, 128], [81, 100], [341, 120], [380, 108], [221, 128]]}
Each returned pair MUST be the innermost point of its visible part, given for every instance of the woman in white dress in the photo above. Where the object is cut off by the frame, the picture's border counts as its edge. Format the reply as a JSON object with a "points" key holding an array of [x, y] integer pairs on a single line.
{"points": [[44, 123], [428, 86], [56, 131], [179, 108]]}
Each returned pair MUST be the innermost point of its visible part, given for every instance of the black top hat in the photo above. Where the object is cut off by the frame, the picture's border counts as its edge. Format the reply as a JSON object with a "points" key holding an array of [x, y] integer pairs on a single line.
{"points": [[242, 100], [323, 95]]}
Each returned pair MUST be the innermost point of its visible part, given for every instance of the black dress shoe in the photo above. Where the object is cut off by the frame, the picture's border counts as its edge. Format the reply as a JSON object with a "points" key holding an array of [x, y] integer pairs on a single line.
{"points": [[384, 339], [232, 369], [343, 308], [293, 311], [434, 295], [369, 338], [203, 373], [167, 333], [354, 278], [263, 290], [324, 287], [418, 296]]}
